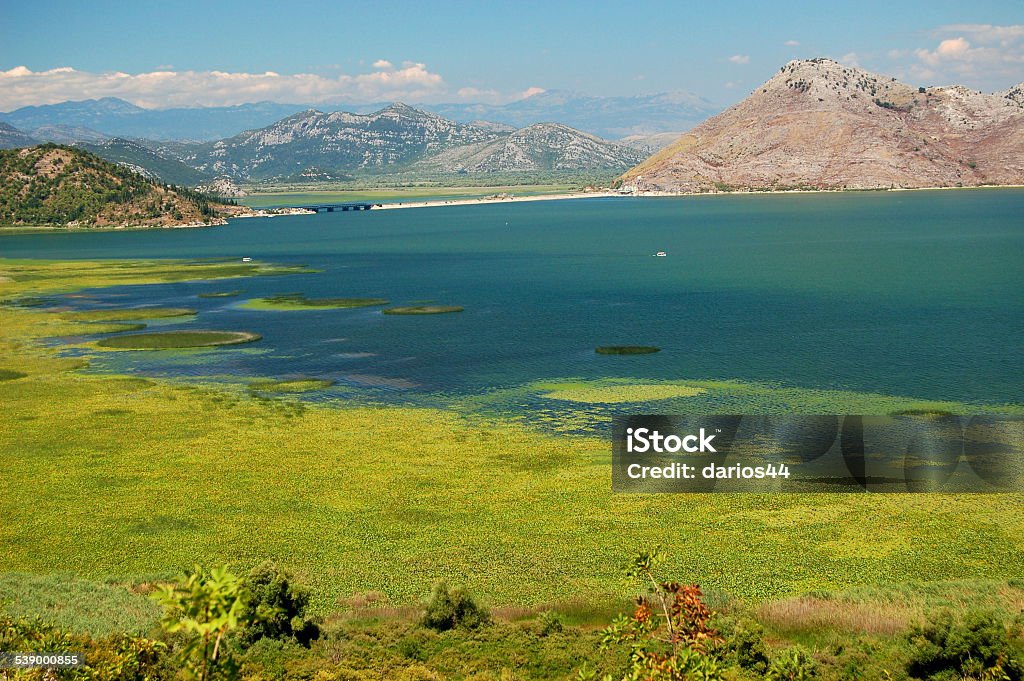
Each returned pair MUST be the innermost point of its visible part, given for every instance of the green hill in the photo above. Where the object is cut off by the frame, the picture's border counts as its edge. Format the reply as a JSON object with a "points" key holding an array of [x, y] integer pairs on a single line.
{"points": [[63, 186]]}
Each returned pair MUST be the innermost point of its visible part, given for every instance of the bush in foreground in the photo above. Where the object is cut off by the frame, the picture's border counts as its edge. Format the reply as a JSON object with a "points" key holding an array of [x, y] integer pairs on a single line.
{"points": [[974, 647], [276, 607], [448, 609]]}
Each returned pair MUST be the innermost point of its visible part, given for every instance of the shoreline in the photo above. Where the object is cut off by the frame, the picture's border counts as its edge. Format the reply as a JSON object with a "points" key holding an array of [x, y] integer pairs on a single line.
{"points": [[758, 192], [490, 200], [663, 194], [483, 200]]}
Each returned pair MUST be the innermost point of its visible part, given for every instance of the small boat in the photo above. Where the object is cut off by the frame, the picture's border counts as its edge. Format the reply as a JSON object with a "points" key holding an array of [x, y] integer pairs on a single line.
{"points": [[661, 254], [246, 259]]}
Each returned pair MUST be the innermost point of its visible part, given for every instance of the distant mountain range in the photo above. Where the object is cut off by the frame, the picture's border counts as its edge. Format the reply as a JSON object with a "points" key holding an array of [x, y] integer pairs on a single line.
{"points": [[151, 163], [400, 138], [12, 138], [312, 146], [820, 125], [117, 118], [543, 146], [607, 117]]}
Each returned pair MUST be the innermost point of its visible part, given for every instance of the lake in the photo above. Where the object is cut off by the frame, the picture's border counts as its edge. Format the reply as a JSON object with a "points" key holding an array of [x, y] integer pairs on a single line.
{"points": [[899, 293]]}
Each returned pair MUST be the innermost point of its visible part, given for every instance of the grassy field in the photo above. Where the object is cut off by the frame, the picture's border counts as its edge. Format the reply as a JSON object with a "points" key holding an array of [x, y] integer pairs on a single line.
{"points": [[132, 479], [302, 197]]}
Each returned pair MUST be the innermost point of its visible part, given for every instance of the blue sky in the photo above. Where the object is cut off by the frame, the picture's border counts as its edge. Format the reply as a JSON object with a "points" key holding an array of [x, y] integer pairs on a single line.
{"points": [[187, 52]]}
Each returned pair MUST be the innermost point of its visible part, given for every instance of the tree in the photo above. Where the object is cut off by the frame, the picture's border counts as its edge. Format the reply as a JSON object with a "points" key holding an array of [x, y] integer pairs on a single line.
{"points": [[277, 607], [669, 632], [204, 608], [450, 608]]}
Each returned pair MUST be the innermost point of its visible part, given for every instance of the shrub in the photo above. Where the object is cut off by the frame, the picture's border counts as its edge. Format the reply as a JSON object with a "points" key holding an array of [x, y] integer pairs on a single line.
{"points": [[793, 664], [742, 643], [119, 657], [550, 623], [276, 607], [447, 609], [204, 608], [975, 646]]}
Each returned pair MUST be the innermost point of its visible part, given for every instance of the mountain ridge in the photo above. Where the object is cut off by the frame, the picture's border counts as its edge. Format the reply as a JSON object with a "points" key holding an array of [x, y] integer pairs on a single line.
{"points": [[607, 117], [398, 138], [820, 125]]}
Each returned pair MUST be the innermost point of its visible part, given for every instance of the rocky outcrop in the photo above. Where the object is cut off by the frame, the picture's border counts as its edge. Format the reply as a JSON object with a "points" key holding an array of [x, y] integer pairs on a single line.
{"points": [[223, 187], [820, 125]]}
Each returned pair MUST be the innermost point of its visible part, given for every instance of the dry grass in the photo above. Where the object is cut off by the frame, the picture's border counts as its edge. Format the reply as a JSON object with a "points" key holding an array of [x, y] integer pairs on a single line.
{"points": [[809, 613]]}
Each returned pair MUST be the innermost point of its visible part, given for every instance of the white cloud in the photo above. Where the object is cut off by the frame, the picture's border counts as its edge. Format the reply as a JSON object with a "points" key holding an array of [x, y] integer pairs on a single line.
{"points": [[530, 92], [952, 48], [383, 64], [850, 59], [985, 34], [20, 86], [740, 58], [984, 56], [791, 43]]}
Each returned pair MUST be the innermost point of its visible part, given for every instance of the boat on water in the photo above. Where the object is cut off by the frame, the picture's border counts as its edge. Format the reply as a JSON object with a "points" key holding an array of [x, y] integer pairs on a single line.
{"points": [[661, 254]]}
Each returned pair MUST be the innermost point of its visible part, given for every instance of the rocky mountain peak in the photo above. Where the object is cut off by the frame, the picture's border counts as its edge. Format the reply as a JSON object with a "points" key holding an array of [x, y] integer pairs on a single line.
{"points": [[820, 124]]}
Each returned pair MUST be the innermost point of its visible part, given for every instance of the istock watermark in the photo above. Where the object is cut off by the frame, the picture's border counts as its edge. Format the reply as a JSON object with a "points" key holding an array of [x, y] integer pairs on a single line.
{"points": [[824, 453]]}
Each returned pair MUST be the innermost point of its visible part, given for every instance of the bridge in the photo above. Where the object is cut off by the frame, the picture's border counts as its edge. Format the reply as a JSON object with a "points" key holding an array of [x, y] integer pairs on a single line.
{"points": [[332, 207]]}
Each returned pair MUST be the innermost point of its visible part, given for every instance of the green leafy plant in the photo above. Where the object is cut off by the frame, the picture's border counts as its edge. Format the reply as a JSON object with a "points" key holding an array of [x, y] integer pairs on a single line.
{"points": [[742, 643], [974, 647], [669, 632], [793, 664], [204, 608], [550, 623]]}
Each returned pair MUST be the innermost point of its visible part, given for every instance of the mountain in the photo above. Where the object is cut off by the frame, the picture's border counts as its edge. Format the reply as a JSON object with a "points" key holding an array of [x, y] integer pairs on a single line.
{"points": [[545, 146], [118, 118], [607, 117], [68, 134], [335, 142], [12, 138], [656, 141], [65, 186], [819, 124], [145, 161], [394, 139]]}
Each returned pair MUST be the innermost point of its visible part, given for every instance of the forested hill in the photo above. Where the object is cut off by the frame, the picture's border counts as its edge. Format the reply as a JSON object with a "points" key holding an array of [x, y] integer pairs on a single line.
{"points": [[64, 186]]}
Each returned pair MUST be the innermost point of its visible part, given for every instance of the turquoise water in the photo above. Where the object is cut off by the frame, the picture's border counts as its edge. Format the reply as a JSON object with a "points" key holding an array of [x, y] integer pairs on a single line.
{"points": [[904, 293]]}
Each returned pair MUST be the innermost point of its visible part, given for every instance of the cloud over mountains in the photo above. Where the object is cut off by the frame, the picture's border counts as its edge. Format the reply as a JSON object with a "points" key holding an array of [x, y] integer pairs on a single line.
{"points": [[20, 86]]}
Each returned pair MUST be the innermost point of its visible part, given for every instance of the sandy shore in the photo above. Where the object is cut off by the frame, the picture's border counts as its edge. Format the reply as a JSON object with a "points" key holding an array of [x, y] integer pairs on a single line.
{"points": [[762, 192], [493, 200], [650, 194]]}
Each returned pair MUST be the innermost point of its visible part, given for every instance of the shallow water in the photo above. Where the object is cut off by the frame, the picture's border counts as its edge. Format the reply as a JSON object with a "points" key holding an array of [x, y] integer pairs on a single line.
{"points": [[903, 293]]}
